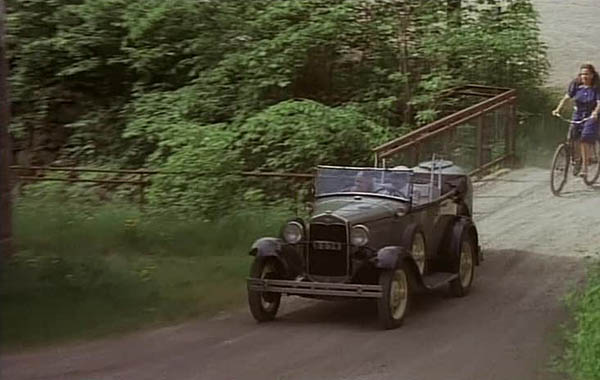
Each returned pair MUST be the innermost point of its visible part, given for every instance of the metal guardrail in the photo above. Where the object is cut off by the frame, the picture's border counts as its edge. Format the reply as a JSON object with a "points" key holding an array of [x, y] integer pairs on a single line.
{"points": [[477, 137]]}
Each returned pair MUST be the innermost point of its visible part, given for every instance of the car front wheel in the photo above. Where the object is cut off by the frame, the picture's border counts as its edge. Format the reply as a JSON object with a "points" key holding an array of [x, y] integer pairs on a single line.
{"points": [[397, 292], [264, 305]]}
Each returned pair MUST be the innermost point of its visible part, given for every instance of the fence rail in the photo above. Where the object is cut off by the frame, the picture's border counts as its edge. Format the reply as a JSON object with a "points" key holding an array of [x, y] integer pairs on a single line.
{"points": [[477, 146], [476, 137], [141, 176]]}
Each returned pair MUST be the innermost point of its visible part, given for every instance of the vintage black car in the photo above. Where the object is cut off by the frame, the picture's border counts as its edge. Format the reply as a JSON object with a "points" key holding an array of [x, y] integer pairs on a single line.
{"points": [[384, 234]]}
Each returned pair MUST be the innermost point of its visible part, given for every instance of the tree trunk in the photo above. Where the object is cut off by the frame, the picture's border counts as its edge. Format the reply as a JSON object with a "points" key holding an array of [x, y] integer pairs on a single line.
{"points": [[454, 7], [5, 149]]}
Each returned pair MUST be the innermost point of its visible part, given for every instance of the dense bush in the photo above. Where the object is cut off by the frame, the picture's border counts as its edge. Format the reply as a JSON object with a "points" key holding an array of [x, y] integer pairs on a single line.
{"points": [[154, 83], [583, 349], [298, 135]]}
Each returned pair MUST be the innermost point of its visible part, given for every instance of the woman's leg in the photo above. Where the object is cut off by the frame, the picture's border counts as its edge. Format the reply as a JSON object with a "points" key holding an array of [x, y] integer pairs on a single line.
{"points": [[588, 137], [585, 154], [575, 139]]}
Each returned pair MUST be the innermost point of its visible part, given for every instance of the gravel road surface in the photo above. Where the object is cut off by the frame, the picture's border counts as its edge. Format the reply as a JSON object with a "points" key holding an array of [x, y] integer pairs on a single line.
{"points": [[571, 29]]}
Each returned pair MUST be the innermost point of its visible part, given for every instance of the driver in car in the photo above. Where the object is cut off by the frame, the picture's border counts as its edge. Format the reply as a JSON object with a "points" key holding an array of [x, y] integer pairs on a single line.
{"points": [[395, 187], [363, 182]]}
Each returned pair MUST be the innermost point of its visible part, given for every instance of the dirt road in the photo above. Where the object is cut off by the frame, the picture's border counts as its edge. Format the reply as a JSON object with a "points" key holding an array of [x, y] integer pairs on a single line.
{"points": [[570, 29], [505, 329]]}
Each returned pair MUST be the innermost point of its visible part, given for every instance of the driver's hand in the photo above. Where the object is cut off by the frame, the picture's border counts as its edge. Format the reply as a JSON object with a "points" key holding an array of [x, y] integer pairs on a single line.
{"points": [[555, 112]]}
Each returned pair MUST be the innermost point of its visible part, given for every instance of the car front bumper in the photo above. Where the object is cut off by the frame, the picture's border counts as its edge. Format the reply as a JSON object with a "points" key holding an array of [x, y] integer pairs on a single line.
{"points": [[315, 288]]}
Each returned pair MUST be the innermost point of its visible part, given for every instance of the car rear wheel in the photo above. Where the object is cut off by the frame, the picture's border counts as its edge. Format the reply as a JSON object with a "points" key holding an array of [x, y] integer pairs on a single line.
{"points": [[418, 251], [466, 267], [264, 305], [397, 290]]}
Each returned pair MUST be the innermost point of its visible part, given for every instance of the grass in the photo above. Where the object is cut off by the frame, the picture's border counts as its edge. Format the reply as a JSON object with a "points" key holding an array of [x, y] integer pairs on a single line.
{"points": [[85, 271], [581, 358]]}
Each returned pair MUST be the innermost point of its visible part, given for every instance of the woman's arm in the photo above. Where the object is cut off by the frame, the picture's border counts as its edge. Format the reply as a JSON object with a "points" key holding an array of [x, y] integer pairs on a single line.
{"points": [[596, 110], [556, 111]]}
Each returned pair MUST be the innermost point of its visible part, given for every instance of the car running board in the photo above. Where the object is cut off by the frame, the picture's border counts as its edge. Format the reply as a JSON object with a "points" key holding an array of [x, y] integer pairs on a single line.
{"points": [[439, 279]]}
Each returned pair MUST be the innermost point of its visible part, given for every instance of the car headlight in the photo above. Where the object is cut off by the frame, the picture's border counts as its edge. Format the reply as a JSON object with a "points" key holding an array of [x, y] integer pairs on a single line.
{"points": [[359, 235], [293, 232]]}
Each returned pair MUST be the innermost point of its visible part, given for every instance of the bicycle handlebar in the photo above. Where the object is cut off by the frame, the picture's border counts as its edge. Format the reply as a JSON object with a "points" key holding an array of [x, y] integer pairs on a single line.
{"points": [[571, 121]]}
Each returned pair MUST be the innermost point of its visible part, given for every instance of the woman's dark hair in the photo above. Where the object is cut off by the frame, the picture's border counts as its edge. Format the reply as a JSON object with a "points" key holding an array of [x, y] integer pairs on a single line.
{"points": [[592, 69]]}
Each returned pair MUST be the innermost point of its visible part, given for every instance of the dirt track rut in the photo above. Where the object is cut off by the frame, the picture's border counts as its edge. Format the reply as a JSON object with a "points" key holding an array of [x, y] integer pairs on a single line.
{"points": [[505, 329]]}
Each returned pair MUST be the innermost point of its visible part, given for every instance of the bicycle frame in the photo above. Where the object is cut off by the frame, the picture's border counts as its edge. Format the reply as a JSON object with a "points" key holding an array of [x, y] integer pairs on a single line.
{"points": [[568, 151]]}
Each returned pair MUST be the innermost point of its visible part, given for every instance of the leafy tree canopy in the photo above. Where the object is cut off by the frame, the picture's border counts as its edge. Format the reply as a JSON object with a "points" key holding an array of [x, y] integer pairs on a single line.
{"points": [[154, 83]]}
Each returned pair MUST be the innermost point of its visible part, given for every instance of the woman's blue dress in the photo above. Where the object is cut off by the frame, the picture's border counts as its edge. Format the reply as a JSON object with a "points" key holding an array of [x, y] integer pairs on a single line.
{"points": [[585, 99]]}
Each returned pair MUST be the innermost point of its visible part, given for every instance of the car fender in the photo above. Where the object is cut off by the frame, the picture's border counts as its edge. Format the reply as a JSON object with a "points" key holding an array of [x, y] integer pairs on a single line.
{"points": [[461, 226], [407, 240], [387, 258], [268, 247]]}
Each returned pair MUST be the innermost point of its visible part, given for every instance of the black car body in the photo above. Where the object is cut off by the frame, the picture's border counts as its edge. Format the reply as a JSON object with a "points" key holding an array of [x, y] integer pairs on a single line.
{"points": [[373, 233]]}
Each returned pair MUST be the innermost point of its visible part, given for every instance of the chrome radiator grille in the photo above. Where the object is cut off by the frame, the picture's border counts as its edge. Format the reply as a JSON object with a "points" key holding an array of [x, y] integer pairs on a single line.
{"points": [[328, 250]]}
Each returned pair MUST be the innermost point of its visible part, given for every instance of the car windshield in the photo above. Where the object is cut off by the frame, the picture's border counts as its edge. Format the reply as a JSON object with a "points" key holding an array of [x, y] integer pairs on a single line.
{"points": [[386, 182]]}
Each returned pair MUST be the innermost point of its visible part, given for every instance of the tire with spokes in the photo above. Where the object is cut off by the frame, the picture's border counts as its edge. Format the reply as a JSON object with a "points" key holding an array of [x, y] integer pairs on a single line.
{"points": [[594, 165], [560, 168], [397, 286], [466, 260], [264, 305]]}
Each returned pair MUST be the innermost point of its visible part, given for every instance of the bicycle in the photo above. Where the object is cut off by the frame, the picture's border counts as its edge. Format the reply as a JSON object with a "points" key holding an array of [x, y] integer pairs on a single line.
{"points": [[564, 158]]}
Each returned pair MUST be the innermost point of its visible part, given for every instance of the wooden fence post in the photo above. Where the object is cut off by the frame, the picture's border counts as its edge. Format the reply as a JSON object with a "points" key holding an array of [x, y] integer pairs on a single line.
{"points": [[142, 186], [479, 143]]}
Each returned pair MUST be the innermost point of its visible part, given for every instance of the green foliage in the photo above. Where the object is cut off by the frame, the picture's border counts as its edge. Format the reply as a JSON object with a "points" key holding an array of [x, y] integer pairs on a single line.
{"points": [[298, 135], [148, 82], [158, 123], [583, 349], [214, 187], [87, 271], [500, 48]]}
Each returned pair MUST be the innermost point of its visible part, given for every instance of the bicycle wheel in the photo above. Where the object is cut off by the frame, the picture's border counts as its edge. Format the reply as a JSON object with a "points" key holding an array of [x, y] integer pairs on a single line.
{"points": [[593, 165], [560, 168]]}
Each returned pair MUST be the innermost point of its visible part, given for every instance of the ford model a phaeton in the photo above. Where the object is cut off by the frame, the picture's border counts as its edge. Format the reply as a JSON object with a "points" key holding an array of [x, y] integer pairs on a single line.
{"points": [[384, 234]]}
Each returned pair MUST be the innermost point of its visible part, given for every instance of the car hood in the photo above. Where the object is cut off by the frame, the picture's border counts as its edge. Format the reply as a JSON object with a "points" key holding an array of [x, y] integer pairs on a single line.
{"points": [[359, 209]]}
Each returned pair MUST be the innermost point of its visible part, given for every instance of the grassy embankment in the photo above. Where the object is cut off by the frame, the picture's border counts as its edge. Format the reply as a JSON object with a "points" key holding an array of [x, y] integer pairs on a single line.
{"points": [[84, 271], [581, 359]]}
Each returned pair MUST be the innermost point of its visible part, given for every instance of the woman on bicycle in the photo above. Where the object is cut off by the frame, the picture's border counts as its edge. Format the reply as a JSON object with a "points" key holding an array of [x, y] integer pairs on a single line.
{"points": [[585, 93]]}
